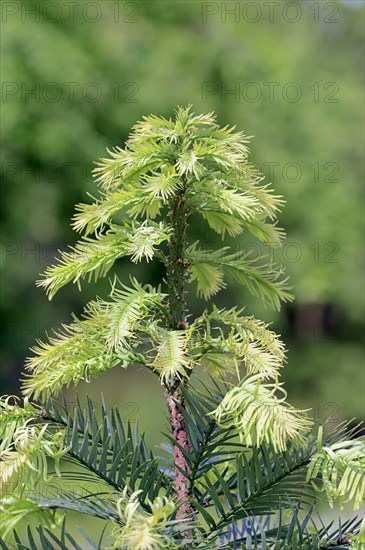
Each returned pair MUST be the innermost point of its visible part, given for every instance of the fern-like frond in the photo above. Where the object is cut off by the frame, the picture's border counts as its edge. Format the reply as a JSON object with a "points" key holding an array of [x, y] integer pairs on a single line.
{"points": [[127, 165], [260, 416], [141, 530], [108, 450], [170, 360], [128, 308], [109, 171], [12, 416], [160, 185], [341, 468], [153, 127], [16, 511], [222, 222], [94, 257], [247, 178], [101, 340], [92, 217], [209, 279], [145, 238], [89, 257], [259, 361], [269, 233], [216, 196], [76, 353], [261, 279], [266, 280], [188, 162], [24, 462], [225, 340]]}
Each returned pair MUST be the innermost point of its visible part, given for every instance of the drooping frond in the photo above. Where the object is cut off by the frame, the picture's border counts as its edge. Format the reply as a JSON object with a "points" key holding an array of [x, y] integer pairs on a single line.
{"points": [[222, 222], [75, 353], [17, 511], [259, 361], [248, 179], [224, 340], [247, 327], [261, 279], [12, 416], [260, 416], [101, 340], [88, 257], [233, 201], [94, 257], [170, 360], [141, 530], [209, 279], [269, 233], [24, 462], [341, 468], [128, 308], [92, 217]]}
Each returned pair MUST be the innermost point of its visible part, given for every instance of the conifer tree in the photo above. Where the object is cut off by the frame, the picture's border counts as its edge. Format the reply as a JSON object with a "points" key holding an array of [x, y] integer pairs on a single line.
{"points": [[244, 467]]}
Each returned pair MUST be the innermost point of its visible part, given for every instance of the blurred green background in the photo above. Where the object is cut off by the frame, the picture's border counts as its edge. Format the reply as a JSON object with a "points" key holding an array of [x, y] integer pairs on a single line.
{"points": [[76, 76]]}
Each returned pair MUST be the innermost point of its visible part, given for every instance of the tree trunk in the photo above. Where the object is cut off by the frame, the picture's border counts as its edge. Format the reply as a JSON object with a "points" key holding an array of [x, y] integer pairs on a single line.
{"points": [[177, 266]]}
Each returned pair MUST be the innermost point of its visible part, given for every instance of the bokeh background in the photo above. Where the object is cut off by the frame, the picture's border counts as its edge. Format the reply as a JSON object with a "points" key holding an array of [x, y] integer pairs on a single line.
{"points": [[77, 75]]}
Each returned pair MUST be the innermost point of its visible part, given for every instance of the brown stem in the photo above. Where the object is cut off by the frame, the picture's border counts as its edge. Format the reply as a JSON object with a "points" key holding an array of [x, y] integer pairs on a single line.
{"points": [[179, 435], [177, 273]]}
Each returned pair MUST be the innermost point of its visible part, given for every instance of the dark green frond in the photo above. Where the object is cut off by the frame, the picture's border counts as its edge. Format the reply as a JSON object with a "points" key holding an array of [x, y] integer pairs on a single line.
{"points": [[45, 538], [113, 453], [300, 532]]}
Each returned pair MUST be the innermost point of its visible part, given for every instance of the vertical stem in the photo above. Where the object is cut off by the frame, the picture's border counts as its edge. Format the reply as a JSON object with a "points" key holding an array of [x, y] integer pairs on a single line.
{"points": [[177, 264], [177, 267]]}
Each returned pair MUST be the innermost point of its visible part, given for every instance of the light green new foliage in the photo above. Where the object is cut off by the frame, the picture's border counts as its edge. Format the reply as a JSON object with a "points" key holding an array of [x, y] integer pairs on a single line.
{"points": [[15, 511], [238, 451], [24, 462], [13, 416], [260, 416], [342, 467], [171, 360], [104, 338], [143, 531], [97, 256]]}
